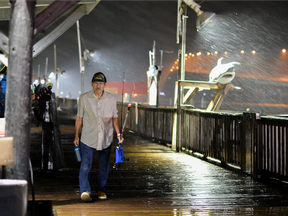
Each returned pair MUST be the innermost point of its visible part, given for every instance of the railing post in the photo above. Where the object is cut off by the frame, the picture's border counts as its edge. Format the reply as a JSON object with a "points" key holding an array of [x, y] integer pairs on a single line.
{"points": [[136, 117], [247, 144]]}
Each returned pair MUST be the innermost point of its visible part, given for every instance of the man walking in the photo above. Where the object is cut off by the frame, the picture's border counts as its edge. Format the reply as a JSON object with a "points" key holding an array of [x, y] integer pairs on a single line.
{"points": [[97, 112]]}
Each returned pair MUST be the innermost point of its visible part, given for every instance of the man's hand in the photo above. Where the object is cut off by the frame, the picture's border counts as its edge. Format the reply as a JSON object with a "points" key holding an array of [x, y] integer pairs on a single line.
{"points": [[120, 140], [76, 141], [78, 124]]}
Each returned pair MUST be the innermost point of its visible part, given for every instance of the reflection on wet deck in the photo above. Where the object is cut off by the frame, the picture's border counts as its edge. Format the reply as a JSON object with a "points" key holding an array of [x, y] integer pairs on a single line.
{"points": [[156, 181]]}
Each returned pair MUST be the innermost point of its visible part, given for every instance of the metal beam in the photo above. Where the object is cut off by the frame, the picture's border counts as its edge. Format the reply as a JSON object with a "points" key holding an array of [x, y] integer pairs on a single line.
{"points": [[51, 13], [64, 26], [57, 32], [6, 3], [90, 6], [40, 6], [48, 2]]}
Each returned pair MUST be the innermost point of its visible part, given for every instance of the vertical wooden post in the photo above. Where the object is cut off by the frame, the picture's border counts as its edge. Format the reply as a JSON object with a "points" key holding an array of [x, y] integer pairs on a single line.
{"points": [[247, 143], [18, 95]]}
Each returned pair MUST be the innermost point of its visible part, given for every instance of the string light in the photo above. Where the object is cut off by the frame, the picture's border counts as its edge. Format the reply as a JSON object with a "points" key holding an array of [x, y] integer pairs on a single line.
{"points": [[226, 53], [188, 55]]}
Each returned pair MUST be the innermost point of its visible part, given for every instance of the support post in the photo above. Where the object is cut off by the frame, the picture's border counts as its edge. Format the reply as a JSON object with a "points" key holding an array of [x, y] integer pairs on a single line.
{"points": [[56, 72], [81, 60], [247, 144], [18, 98], [46, 72], [181, 76], [179, 101], [183, 42]]}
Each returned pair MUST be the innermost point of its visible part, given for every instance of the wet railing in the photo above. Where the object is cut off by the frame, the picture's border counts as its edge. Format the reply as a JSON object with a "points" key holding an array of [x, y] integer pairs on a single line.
{"points": [[214, 135], [256, 147], [150, 122], [272, 149]]}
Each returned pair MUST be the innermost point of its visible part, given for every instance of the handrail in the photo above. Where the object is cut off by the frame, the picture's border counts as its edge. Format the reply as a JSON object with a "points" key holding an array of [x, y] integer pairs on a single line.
{"points": [[255, 145]]}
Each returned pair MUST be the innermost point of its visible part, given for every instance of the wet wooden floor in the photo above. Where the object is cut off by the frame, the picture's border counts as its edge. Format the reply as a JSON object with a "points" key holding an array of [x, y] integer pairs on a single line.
{"points": [[155, 181]]}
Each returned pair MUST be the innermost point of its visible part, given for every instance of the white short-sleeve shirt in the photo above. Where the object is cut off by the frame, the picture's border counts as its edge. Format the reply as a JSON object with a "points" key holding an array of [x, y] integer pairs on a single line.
{"points": [[97, 114]]}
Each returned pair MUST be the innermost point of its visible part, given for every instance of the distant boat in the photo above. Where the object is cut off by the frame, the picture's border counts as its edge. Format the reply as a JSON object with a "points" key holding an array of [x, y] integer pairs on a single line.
{"points": [[223, 73]]}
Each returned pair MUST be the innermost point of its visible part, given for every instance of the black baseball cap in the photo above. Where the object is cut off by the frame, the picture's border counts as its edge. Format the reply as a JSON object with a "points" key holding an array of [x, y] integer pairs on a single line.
{"points": [[99, 76]]}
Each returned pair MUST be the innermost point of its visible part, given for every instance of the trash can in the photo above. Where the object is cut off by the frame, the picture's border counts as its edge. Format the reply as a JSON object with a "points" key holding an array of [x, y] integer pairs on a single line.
{"points": [[13, 197]]}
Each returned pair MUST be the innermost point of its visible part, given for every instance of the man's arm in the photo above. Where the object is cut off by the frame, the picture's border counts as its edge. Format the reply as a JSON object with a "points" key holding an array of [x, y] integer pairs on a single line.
{"points": [[78, 124], [117, 129]]}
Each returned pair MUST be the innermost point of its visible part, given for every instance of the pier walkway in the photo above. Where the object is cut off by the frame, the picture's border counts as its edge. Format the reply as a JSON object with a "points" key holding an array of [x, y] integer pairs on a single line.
{"points": [[155, 181]]}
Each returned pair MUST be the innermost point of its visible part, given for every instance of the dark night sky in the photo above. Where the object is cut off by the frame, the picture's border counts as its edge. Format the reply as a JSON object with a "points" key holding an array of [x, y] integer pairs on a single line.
{"points": [[122, 33]]}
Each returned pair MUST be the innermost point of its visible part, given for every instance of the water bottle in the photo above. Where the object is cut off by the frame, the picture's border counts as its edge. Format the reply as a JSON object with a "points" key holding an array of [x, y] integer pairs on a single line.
{"points": [[78, 153]]}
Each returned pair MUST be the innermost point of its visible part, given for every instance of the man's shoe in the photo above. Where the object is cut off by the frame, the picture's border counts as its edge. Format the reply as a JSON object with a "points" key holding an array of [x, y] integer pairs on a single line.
{"points": [[102, 195], [85, 196]]}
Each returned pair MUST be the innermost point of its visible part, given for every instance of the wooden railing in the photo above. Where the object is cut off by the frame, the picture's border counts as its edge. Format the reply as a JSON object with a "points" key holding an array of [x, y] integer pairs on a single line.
{"points": [[272, 149], [215, 135], [257, 147], [150, 122]]}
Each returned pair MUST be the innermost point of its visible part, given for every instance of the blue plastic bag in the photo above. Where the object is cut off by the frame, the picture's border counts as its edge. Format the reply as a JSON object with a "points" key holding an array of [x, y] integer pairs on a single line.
{"points": [[119, 154]]}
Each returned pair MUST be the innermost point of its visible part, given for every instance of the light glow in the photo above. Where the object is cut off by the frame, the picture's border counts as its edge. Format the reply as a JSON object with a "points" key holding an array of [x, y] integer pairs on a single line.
{"points": [[51, 75]]}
